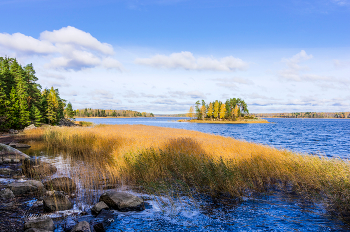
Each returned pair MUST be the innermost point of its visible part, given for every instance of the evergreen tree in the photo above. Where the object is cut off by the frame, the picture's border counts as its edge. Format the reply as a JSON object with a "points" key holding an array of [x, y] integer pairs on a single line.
{"points": [[69, 111]]}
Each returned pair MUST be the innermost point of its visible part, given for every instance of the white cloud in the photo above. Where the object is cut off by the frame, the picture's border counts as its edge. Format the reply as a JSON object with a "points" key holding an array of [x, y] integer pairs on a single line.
{"points": [[27, 44], [74, 36], [187, 61], [66, 48], [342, 2]]}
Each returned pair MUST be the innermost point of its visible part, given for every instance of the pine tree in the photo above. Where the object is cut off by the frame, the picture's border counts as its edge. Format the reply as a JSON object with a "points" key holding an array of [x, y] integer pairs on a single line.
{"points": [[13, 110], [69, 111], [37, 116]]}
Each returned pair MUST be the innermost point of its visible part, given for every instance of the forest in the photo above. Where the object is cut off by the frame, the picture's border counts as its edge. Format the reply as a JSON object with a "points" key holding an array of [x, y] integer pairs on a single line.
{"points": [[88, 112], [22, 100], [305, 115], [233, 109]]}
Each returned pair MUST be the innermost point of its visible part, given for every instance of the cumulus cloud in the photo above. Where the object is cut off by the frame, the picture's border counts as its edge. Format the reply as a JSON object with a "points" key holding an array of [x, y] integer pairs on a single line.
{"points": [[187, 61], [231, 83], [74, 36], [66, 48]]}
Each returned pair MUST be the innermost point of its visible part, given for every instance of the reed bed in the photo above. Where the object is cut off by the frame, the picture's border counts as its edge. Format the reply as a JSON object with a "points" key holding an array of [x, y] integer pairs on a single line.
{"points": [[158, 158]]}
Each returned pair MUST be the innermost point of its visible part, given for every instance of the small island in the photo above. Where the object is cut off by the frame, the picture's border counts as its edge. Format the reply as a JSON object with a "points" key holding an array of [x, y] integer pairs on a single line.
{"points": [[233, 111]]}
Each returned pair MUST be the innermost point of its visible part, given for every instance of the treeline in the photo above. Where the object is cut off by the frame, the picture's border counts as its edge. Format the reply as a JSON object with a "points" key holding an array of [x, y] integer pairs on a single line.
{"points": [[306, 115], [232, 109], [88, 112], [21, 100]]}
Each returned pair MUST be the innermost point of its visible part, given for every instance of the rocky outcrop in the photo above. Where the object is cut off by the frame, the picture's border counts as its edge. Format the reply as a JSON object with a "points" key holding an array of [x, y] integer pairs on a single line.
{"points": [[66, 122], [57, 202], [65, 184], [122, 201], [6, 194], [32, 187], [98, 207], [82, 226], [36, 169], [12, 153], [43, 223]]}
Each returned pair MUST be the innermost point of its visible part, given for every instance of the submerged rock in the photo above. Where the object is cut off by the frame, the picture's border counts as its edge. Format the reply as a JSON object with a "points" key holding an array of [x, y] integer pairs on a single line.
{"points": [[98, 207], [82, 226], [6, 194], [102, 221], [43, 223], [57, 202], [27, 187], [122, 201], [65, 184], [37, 169]]}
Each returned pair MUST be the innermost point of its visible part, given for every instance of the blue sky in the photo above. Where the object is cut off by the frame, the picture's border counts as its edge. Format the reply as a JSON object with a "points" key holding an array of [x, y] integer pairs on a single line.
{"points": [[162, 56]]}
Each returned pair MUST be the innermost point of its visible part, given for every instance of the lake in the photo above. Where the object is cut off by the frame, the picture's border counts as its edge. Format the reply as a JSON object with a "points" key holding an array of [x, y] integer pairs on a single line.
{"points": [[272, 211], [326, 137]]}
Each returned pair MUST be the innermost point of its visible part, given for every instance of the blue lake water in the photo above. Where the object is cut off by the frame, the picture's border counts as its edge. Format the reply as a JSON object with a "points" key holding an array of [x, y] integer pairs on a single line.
{"points": [[327, 137], [275, 211]]}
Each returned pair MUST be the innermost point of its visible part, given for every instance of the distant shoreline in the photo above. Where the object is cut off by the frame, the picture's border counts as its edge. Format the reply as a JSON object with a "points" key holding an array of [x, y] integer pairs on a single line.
{"points": [[305, 118], [226, 122]]}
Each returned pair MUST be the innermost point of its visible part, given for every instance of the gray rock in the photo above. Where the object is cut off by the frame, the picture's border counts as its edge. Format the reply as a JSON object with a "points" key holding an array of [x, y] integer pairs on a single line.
{"points": [[13, 153], [19, 145], [44, 223], [65, 184], [30, 127], [23, 188], [6, 194], [98, 207], [122, 201], [57, 202], [6, 161], [12, 131], [37, 184], [82, 226], [6, 171]]}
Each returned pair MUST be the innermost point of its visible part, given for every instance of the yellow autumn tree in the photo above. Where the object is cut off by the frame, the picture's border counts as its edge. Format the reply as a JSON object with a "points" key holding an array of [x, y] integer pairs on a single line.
{"points": [[222, 111], [190, 113], [203, 111], [210, 110], [216, 109], [236, 112]]}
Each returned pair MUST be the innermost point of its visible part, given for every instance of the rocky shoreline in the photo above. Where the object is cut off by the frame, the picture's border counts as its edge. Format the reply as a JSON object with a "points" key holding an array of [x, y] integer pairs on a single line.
{"points": [[28, 203]]}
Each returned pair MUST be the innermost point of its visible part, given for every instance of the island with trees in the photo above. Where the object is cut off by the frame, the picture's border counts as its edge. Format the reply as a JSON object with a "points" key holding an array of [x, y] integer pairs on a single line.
{"points": [[233, 110]]}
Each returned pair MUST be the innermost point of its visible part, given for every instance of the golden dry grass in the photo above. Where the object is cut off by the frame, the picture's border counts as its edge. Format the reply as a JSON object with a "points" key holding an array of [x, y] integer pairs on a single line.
{"points": [[155, 156]]}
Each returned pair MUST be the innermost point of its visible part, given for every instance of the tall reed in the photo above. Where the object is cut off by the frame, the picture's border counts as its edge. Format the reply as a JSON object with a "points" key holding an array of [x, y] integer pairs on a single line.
{"points": [[156, 157]]}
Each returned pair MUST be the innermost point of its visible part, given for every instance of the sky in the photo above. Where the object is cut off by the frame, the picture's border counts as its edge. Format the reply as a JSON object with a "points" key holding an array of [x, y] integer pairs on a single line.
{"points": [[161, 56]]}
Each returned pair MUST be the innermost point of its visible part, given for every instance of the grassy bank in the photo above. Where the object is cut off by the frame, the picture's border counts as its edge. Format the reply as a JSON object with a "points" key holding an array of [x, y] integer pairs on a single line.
{"points": [[165, 158]]}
